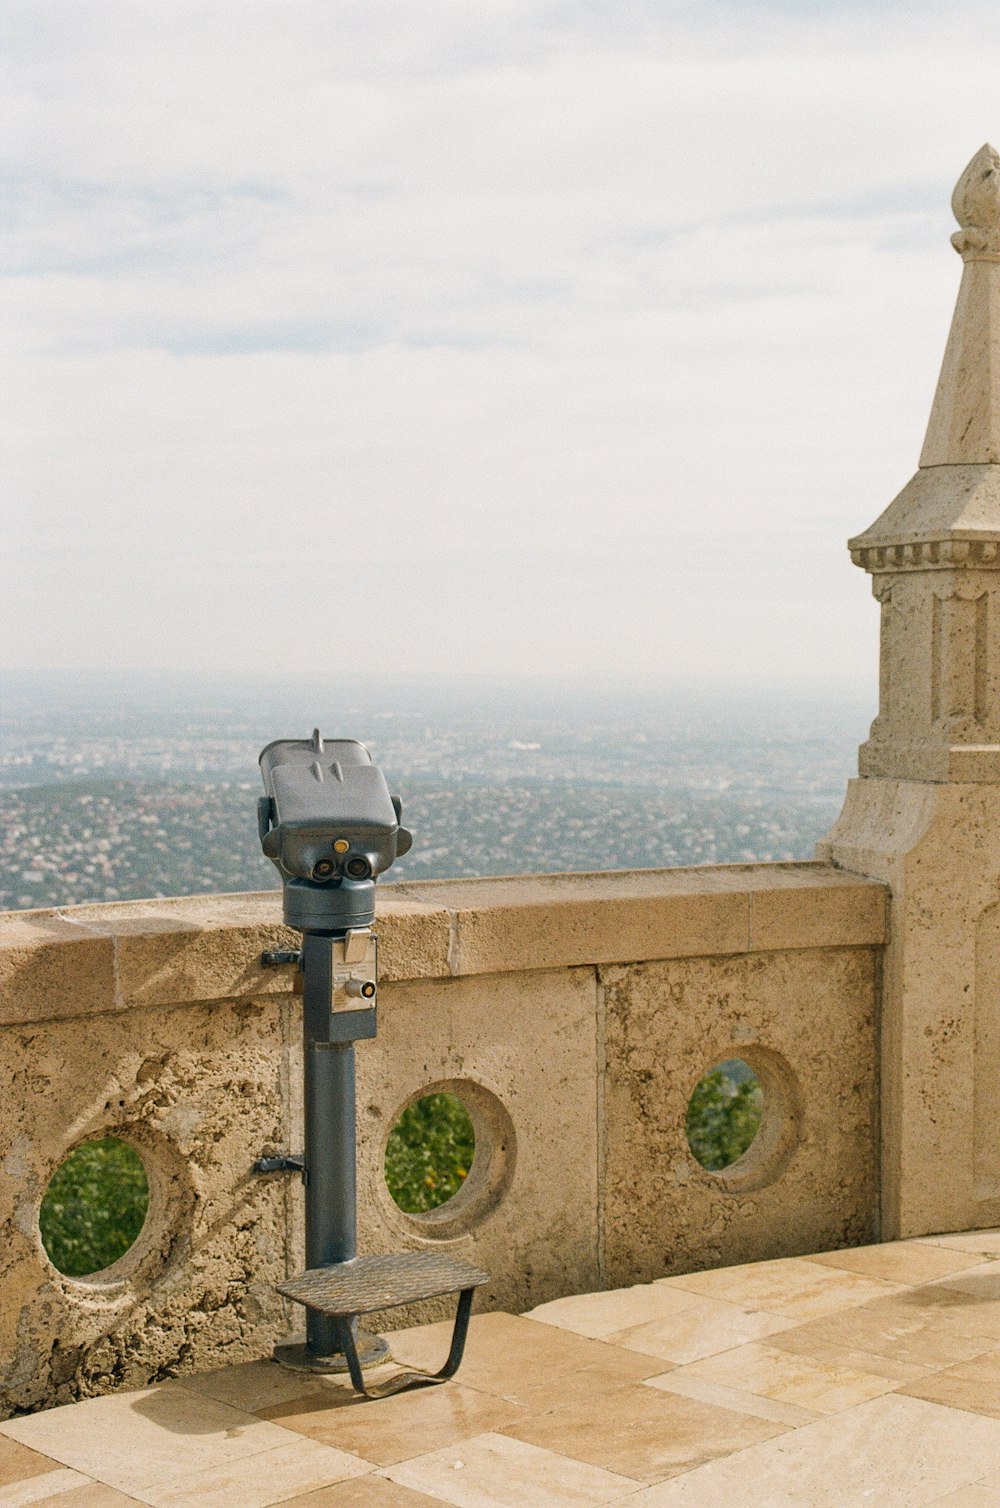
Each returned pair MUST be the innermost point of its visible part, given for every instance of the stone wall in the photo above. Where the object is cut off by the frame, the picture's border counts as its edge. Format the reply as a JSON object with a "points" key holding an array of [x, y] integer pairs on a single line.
{"points": [[574, 1014]]}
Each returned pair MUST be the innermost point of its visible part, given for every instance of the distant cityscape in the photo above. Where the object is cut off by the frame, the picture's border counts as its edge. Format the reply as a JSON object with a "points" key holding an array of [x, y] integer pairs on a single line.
{"points": [[106, 801]]}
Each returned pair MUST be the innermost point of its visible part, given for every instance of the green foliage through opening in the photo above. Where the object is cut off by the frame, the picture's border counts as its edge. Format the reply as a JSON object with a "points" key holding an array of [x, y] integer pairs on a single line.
{"points": [[723, 1115], [94, 1207], [96, 1202], [429, 1153]]}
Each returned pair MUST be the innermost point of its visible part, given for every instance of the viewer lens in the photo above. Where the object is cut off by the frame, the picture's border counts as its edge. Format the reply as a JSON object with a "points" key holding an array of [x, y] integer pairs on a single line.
{"points": [[358, 868]]}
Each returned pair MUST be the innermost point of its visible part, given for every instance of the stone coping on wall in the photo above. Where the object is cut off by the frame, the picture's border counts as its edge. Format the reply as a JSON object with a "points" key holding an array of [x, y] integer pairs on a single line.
{"points": [[132, 954]]}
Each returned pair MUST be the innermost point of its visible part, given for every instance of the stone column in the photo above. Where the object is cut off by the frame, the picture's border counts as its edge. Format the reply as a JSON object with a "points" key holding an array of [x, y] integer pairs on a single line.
{"points": [[924, 814]]}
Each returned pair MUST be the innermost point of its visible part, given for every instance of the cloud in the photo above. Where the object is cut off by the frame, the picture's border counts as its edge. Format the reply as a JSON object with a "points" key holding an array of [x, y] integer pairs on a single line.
{"points": [[461, 301]]}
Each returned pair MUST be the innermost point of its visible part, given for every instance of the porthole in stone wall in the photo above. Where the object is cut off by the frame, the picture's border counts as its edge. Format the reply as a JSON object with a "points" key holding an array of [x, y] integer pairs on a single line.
{"points": [[449, 1157], [724, 1114], [94, 1207], [430, 1151], [744, 1119]]}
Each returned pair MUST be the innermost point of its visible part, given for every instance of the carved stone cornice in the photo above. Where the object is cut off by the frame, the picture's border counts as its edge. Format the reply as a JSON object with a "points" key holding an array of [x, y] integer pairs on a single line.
{"points": [[945, 518], [928, 555]]}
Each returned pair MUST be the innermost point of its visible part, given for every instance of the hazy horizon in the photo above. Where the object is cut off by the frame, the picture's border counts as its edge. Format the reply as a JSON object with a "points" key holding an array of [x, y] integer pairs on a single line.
{"points": [[139, 692]]}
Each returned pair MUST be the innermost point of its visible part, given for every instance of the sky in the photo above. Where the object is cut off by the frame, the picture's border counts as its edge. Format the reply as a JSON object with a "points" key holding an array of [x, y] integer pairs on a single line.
{"points": [[479, 337]]}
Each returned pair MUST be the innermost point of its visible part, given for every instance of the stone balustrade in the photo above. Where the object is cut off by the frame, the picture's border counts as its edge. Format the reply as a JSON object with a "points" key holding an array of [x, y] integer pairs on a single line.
{"points": [[574, 1015]]}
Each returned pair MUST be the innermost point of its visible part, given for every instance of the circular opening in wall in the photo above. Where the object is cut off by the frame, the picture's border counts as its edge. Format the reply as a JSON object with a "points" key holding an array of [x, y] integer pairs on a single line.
{"points": [[724, 1114], [429, 1153], [449, 1159], [94, 1207]]}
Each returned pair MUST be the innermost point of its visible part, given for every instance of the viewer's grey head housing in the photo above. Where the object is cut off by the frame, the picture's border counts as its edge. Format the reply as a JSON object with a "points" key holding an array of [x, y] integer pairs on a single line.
{"points": [[330, 826]]}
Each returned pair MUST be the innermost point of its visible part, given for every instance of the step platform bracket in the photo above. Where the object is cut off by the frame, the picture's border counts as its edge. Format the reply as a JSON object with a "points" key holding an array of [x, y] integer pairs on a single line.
{"points": [[367, 1284]]}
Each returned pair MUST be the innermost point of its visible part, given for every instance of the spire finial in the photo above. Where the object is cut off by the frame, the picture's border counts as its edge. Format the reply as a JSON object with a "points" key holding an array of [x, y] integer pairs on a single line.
{"points": [[964, 428], [976, 205]]}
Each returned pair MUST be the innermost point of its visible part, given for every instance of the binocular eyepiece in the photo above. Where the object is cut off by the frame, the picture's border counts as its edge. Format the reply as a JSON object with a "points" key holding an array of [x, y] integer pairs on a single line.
{"points": [[330, 827]]}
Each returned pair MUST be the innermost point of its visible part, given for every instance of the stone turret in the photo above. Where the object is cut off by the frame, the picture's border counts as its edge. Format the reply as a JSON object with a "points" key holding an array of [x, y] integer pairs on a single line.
{"points": [[925, 813], [934, 555]]}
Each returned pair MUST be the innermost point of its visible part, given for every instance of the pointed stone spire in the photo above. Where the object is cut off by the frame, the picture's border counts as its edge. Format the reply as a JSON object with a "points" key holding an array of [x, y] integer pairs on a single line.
{"points": [[934, 555], [964, 427]]}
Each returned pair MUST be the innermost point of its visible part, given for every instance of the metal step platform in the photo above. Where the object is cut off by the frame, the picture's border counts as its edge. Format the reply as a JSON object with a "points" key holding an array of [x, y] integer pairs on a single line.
{"points": [[366, 1284]]}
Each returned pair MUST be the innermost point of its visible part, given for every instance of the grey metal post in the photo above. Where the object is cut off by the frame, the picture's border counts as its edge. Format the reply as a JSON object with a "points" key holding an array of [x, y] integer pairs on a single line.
{"points": [[330, 1148]]}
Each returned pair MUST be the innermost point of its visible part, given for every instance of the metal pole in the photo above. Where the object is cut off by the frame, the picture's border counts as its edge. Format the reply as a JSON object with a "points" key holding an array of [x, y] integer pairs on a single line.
{"points": [[330, 1148], [331, 1213]]}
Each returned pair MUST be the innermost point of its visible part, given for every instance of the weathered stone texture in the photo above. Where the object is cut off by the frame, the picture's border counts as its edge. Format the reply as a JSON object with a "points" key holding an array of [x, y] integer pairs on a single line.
{"points": [[934, 554], [490, 989], [806, 1022], [198, 1091], [529, 1040], [965, 419], [938, 848], [550, 921], [49, 968], [127, 955]]}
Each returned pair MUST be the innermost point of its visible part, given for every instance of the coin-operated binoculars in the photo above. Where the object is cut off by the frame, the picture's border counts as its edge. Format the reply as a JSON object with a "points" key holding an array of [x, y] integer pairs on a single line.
{"points": [[330, 826]]}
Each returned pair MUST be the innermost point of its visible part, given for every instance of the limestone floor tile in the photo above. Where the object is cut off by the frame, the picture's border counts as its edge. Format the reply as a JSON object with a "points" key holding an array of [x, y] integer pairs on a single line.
{"points": [[257, 1481], [970, 1301], [526, 1362], [968, 1497], [904, 1331], [258, 1385], [985, 1242], [679, 1381], [599, 1314], [781, 1375], [967, 1304], [893, 1452], [643, 1433], [367, 1492], [802, 1343], [701, 1330], [92, 1495], [495, 1471], [18, 1461], [131, 1440], [391, 1429], [972, 1385], [907, 1262], [48, 1487], [790, 1286]]}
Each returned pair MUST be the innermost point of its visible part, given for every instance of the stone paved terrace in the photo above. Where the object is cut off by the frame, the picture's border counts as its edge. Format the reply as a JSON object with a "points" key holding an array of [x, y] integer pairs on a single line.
{"points": [[864, 1376]]}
